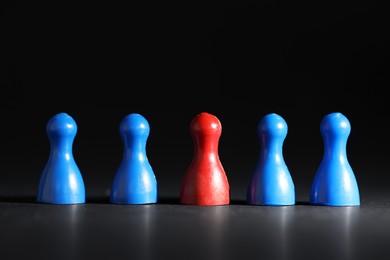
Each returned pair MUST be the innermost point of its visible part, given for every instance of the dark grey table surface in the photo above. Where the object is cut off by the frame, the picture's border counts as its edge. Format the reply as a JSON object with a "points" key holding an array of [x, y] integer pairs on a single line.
{"points": [[168, 230]]}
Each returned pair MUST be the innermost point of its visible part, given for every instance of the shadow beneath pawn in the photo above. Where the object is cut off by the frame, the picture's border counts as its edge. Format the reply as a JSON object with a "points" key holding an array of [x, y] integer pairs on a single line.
{"points": [[98, 200], [168, 200], [176, 201], [244, 203], [18, 199], [303, 203], [33, 200], [238, 202], [106, 200]]}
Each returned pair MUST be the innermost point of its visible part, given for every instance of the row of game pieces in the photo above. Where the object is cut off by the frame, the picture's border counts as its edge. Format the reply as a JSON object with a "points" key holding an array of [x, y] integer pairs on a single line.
{"points": [[205, 182]]}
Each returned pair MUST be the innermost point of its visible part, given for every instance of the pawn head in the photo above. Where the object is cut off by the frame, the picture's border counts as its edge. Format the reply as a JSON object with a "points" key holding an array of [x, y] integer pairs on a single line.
{"points": [[61, 125], [134, 125], [335, 124], [272, 125], [205, 124]]}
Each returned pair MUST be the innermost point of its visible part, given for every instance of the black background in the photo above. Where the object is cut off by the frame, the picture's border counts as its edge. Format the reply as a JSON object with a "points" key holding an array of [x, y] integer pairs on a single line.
{"points": [[238, 60]]}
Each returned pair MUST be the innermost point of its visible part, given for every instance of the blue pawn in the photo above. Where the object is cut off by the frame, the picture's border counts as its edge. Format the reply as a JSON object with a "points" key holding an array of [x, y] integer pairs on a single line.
{"points": [[271, 183], [61, 181], [335, 183], [134, 181]]}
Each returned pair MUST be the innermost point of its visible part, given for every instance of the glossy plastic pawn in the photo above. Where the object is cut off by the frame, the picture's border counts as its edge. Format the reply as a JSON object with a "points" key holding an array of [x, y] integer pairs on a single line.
{"points": [[134, 181], [205, 182], [335, 182], [271, 183], [61, 181]]}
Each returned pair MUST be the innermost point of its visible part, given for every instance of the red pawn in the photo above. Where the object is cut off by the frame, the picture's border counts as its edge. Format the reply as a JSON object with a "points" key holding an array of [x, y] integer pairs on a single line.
{"points": [[205, 182]]}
